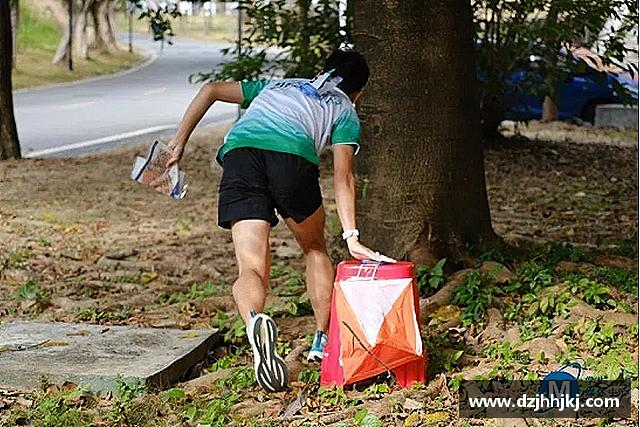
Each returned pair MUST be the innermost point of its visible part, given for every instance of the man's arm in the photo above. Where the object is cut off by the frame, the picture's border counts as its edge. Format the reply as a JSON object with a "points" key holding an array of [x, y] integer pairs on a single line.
{"points": [[345, 193], [207, 95]]}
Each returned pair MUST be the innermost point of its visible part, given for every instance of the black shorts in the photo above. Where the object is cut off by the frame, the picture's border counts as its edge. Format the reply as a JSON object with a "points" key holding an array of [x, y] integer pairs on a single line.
{"points": [[256, 183]]}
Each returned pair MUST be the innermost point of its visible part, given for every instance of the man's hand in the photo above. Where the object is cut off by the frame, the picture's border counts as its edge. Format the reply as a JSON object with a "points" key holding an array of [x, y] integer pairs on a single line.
{"points": [[178, 151], [361, 252]]}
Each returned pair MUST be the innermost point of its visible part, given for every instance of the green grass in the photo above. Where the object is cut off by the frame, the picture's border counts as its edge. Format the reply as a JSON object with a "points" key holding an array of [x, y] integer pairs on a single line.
{"points": [[16, 258], [29, 291], [36, 32], [38, 38]]}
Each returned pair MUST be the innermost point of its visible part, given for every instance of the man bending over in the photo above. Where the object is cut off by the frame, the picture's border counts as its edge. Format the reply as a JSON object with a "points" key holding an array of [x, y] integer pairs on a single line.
{"points": [[270, 164]]}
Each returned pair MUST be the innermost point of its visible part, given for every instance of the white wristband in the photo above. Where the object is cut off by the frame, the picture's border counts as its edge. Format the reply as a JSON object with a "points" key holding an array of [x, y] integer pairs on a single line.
{"points": [[350, 233]]}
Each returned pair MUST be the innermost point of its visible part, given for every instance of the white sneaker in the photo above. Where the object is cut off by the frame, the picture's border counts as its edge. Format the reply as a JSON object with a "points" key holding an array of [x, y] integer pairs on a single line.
{"points": [[271, 371]]}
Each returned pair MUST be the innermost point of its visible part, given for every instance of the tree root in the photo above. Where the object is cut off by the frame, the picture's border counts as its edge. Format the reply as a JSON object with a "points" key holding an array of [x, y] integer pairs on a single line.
{"points": [[339, 416], [293, 362], [616, 261], [444, 295], [205, 382], [498, 273], [582, 309]]}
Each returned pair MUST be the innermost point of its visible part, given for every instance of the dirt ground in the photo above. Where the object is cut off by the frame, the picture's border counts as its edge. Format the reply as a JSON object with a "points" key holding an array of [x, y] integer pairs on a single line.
{"points": [[561, 182], [81, 242]]}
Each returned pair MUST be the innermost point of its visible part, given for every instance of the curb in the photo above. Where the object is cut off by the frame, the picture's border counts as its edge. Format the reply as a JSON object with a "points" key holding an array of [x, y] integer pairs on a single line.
{"points": [[151, 55]]}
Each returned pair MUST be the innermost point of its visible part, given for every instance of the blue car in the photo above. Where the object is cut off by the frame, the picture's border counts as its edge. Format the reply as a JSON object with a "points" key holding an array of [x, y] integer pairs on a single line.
{"points": [[579, 94]]}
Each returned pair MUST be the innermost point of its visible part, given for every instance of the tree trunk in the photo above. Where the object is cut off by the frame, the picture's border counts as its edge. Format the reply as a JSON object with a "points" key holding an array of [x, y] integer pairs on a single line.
{"points": [[15, 23], [81, 39], [61, 56], [9, 144], [550, 111], [421, 176], [99, 10], [109, 15], [549, 108], [491, 115]]}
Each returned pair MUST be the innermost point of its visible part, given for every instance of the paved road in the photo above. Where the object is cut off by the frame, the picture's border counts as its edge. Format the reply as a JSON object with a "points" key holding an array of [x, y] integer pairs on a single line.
{"points": [[97, 115]]}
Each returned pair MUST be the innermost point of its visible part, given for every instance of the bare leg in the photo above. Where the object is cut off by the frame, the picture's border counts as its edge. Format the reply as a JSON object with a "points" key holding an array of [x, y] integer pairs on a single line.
{"points": [[319, 270], [251, 244]]}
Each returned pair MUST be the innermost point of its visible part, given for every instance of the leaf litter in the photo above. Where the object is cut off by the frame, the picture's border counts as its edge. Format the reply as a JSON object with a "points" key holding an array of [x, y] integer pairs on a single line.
{"points": [[110, 252]]}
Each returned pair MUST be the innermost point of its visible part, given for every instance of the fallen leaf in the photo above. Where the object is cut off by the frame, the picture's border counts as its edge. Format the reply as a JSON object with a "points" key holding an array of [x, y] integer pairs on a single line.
{"points": [[189, 335], [411, 405], [447, 313], [68, 386], [295, 406], [24, 402], [80, 333], [413, 420], [120, 255], [435, 417], [52, 389], [148, 277], [53, 344]]}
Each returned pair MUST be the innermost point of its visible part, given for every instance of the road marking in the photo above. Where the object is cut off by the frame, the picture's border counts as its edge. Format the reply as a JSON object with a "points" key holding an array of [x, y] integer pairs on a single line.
{"points": [[221, 118], [155, 91], [74, 106], [98, 141]]}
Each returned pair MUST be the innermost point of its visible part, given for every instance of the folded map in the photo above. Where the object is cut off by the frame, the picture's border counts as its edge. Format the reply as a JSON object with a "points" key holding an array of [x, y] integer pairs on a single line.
{"points": [[153, 172]]}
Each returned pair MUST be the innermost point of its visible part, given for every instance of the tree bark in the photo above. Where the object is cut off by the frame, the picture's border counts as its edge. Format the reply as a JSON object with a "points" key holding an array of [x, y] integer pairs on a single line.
{"points": [[81, 39], [550, 111], [420, 174], [99, 18], [549, 108], [110, 24], [491, 114], [9, 144], [62, 53], [15, 23]]}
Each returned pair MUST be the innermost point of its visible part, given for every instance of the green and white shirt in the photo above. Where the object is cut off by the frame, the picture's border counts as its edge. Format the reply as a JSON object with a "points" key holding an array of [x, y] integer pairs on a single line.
{"points": [[280, 117]]}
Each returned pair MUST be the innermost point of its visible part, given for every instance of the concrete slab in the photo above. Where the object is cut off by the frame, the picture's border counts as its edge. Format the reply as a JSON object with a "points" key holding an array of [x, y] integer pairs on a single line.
{"points": [[95, 355], [616, 115]]}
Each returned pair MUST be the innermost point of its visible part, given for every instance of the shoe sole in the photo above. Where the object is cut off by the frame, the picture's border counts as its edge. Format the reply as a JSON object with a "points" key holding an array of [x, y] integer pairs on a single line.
{"points": [[271, 371], [315, 356]]}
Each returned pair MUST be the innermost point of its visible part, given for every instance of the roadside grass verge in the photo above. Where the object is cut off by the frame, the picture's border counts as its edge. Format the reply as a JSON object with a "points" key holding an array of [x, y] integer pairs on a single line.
{"points": [[38, 38]]}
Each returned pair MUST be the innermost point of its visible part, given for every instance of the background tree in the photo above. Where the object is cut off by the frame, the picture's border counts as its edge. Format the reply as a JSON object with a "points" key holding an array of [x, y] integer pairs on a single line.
{"points": [[299, 35], [15, 21], [104, 25], [9, 145], [507, 34], [420, 171], [159, 15], [77, 31], [510, 32], [93, 25]]}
